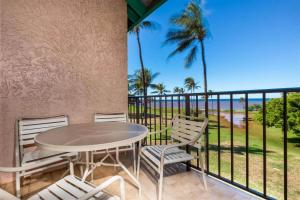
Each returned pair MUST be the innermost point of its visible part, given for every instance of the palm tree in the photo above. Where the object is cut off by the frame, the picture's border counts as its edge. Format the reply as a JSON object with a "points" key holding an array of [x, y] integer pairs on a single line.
{"points": [[189, 34], [178, 90], [160, 89], [135, 81], [190, 84], [212, 100], [242, 101], [136, 30]]}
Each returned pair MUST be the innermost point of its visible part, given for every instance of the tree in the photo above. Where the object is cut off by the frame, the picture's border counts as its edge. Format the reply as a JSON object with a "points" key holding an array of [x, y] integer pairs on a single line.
{"points": [[293, 107], [178, 90], [274, 113], [242, 101], [189, 34], [135, 81], [160, 89], [254, 107], [212, 101], [147, 25], [190, 84]]}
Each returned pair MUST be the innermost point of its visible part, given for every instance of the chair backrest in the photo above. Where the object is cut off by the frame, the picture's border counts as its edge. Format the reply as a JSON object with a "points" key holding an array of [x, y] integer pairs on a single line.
{"points": [[114, 117], [29, 128], [188, 129]]}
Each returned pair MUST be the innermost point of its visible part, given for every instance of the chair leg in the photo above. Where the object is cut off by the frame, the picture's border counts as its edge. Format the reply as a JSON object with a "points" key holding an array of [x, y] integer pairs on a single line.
{"points": [[92, 161], [138, 161], [80, 166], [18, 185], [115, 162], [134, 159], [160, 183], [202, 169]]}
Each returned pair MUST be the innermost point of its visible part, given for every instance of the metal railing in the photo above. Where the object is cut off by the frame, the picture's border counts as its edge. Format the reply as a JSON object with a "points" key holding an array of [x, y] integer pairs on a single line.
{"points": [[162, 108]]}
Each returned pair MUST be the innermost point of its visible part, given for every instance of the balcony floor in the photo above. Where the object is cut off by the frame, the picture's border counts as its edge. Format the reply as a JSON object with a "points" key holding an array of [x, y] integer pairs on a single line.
{"points": [[178, 184]]}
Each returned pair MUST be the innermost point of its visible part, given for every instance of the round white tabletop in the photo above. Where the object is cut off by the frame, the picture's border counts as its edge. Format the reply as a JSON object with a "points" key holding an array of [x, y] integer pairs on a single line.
{"points": [[91, 136]]}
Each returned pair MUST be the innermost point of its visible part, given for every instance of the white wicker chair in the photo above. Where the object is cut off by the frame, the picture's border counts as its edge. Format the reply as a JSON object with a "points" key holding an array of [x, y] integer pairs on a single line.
{"points": [[37, 158], [69, 188], [116, 117], [186, 132]]}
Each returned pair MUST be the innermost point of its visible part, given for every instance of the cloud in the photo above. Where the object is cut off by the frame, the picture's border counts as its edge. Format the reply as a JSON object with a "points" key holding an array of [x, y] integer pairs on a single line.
{"points": [[203, 4]]}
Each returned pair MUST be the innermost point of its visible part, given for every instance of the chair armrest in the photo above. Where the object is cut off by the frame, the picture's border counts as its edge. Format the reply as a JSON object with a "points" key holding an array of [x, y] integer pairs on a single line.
{"points": [[26, 167], [16, 169], [105, 185], [162, 154], [160, 131]]}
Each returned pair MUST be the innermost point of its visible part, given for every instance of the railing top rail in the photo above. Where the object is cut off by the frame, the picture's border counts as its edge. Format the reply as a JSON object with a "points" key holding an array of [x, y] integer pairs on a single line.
{"points": [[276, 90]]}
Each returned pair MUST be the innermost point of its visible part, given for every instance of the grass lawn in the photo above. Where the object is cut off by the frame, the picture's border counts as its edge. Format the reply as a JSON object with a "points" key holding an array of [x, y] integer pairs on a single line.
{"points": [[274, 154]]}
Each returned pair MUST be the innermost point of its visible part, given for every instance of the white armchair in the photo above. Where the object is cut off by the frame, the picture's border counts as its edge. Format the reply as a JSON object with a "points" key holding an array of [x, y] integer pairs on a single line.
{"points": [[38, 159], [184, 131], [70, 187], [114, 117]]}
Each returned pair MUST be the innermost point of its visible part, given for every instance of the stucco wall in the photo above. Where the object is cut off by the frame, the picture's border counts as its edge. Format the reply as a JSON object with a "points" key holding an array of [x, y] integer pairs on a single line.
{"points": [[60, 57]]}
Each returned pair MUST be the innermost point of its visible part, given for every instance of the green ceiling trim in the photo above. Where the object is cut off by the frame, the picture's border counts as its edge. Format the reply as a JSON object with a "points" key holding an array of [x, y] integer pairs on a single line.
{"points": [[137, 11], [132, 16], [137, 6]]}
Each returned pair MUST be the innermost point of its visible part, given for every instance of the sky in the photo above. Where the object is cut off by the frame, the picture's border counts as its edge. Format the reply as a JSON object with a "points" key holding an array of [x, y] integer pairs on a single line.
{"points": [[254, 44]]}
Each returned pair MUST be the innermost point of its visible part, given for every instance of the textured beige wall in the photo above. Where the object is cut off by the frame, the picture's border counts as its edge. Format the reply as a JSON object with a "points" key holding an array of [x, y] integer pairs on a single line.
{"points": [[60, 57]]}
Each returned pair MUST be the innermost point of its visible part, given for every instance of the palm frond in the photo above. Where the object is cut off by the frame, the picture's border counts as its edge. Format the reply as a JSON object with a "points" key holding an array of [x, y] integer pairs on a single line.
{"points": [[191, 57], [149, 25], [182, 46], [135, 81], [176, 35], [155, 75], [189, 27]]}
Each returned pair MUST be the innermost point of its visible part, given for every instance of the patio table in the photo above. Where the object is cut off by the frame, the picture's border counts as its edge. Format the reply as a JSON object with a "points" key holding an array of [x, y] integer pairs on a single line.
{"points": [[92, 137]]}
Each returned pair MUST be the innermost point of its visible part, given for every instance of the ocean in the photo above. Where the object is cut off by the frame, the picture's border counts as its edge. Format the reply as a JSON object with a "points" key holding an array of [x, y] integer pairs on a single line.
{"points": [[224, 103]]}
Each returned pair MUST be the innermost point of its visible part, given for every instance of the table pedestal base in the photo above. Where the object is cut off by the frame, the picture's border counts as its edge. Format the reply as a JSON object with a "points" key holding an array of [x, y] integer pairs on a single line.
{"points": [[91, 166]]}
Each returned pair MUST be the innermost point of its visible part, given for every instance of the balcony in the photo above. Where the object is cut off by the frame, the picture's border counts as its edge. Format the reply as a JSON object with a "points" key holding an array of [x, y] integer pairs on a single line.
{"points": [[70, 59], [179, 184], [250, 155]]}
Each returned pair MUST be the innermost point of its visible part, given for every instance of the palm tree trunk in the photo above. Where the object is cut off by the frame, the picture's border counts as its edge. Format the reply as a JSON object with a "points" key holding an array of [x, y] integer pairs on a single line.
{"points": [[206, 104], [204, 77], [143, 76]]}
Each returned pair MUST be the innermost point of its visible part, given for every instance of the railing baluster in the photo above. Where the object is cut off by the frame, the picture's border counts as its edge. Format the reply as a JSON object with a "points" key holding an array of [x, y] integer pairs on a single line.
{"points": [[219, 135], [146, 116], [285, 158], [206, 134], [197, 106], [231, 138], [166, 120], [264, 147], [197, 114], [155, 119], [137, 106], [188, 113], [130, 116], [141, 110], [172, 105], [178, 104], [150, 117], [160, 115], [247, 139]]}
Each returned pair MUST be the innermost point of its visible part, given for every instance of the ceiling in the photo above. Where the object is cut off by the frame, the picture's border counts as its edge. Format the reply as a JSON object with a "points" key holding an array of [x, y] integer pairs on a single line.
{"points": [[137, 10]]}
